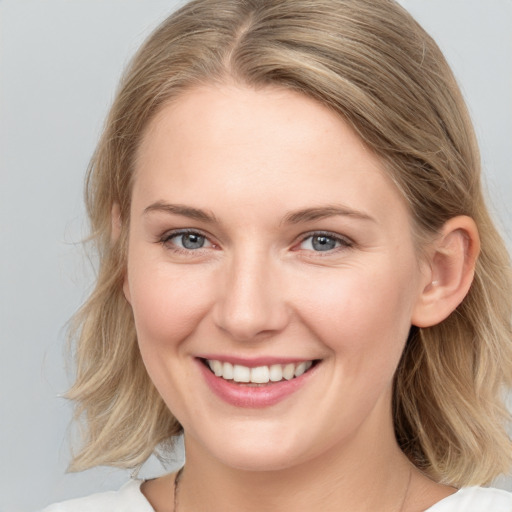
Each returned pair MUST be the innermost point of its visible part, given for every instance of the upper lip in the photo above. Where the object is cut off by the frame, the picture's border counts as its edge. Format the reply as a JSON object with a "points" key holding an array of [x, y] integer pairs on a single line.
{"points": [[254, 362]]}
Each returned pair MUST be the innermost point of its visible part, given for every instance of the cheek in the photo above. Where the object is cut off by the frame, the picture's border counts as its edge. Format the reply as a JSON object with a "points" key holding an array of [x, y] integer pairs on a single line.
{"points": [[167, 305], [363, 316]]}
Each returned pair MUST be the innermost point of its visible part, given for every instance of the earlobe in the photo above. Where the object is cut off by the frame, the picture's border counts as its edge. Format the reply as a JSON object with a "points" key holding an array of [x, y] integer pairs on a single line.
{"points": [[126, 290], [452, 259]]}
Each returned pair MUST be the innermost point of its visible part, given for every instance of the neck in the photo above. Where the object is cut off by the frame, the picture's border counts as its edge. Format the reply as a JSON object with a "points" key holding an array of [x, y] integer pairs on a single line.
{"points": [[356, 476]]}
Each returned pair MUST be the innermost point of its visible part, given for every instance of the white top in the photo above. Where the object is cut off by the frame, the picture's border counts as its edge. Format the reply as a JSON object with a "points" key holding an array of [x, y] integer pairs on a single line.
{"points": [[130, 499]]}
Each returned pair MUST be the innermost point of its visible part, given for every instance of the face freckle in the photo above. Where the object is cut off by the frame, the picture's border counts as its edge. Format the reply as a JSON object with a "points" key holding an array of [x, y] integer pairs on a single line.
{"points": [[263, 232]]}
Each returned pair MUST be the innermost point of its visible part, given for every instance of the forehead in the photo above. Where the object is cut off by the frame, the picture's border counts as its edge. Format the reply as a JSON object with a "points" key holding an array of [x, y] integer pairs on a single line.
{"points": [[242, 145], [229, 118]]}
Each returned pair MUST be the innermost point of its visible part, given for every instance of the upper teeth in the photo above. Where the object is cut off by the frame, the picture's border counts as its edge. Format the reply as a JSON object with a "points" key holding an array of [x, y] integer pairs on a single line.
{"points": [[259, 374]]}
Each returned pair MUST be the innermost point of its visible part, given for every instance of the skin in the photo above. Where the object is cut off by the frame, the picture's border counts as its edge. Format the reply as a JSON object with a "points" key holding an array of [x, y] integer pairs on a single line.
{"points": [[258, 288]]}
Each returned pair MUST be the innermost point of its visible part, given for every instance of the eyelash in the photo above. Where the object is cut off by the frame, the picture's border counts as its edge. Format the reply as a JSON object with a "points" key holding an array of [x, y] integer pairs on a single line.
{"points": [[166, 240], [344, 242]]}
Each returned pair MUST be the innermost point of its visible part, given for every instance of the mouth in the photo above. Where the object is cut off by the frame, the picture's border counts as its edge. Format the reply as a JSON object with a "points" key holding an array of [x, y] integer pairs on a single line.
{"points": [[258, 375]]}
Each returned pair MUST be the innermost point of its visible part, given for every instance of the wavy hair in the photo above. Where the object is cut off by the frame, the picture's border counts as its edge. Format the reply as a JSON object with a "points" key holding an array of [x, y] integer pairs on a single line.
{"points": [[370, 62]]}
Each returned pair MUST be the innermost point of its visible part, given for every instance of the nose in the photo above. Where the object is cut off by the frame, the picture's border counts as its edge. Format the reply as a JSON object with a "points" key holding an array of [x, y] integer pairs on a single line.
{"points": [[251, 303]]}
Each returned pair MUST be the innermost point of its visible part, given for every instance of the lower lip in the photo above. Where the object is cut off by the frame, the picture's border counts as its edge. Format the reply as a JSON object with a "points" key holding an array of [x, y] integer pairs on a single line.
{"points": [[242, 395]]}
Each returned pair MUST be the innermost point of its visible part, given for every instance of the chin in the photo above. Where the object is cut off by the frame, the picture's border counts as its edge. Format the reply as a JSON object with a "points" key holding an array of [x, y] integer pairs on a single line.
{"points": [[257, 449], [255, 459]]}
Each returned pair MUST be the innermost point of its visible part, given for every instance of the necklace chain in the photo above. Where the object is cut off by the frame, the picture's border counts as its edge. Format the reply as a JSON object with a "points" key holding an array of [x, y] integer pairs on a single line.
{"points": [[176, 486], [406, 494], [179, 473]]}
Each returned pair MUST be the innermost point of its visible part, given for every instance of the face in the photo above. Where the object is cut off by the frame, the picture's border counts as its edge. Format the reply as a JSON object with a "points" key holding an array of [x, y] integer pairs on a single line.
{"points": [[272, 275]]}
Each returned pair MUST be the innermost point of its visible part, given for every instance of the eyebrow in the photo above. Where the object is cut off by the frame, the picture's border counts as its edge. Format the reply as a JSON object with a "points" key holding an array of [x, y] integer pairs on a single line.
{"points": [[295, 217], [179, 209], [310, 214]]}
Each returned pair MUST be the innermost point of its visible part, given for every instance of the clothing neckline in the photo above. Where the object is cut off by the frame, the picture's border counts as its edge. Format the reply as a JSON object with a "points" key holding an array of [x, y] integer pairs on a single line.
{"points": [[138, 482], [453, 496]]}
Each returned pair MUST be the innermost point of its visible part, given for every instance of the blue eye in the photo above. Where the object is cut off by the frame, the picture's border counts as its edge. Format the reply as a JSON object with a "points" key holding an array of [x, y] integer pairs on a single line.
{"points": [[187, 240], [323, 242]]}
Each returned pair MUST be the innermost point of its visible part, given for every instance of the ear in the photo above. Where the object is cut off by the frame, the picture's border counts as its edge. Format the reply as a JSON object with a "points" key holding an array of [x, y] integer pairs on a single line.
{"points": [[116, 225], [452, 258]]}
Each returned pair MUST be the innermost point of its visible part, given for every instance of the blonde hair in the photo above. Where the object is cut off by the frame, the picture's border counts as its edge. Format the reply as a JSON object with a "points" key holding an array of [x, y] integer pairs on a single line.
{"points": [[370, 62]]}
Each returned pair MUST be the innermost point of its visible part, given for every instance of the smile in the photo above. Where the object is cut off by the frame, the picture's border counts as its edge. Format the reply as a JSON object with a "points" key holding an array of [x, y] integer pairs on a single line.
{"points": [[258, 382], [259, 374]]}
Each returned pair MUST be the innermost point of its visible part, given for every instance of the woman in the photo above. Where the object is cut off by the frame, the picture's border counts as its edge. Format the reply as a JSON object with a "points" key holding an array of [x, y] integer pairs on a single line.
{"points": [[297, 270]]}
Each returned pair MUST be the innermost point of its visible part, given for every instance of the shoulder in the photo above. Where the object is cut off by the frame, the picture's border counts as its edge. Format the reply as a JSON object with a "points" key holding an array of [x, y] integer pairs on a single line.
{"points": [[475, 499], [128, 499]]}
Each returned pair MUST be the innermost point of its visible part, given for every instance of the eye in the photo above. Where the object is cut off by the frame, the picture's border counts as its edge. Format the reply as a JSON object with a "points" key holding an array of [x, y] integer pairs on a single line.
{"points": [[323, 242], [186, 240]]}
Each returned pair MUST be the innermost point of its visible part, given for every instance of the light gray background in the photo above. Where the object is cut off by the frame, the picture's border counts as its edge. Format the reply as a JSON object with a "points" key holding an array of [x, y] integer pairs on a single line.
{"points": [[59, 64]]}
